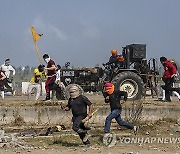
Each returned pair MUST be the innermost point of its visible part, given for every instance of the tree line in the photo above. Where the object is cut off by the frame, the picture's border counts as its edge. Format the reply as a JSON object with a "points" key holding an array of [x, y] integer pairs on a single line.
{"points": [[23, 73]]}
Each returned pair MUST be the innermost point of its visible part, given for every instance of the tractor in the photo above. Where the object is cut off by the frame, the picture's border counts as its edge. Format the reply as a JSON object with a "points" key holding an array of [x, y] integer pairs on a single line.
{"points": [[135, 76]]}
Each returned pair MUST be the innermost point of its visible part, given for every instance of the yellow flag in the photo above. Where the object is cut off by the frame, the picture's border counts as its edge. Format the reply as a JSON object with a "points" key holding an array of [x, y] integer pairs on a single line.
{"points": [[35, 35]]}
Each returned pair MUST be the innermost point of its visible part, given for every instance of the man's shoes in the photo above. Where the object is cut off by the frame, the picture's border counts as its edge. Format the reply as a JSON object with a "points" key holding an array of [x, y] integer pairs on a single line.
{"points": [[160, 99], [14, 92], [2, 94], [47, 100], [87, 143], [47, 97], [166, 100], [85, 138]]}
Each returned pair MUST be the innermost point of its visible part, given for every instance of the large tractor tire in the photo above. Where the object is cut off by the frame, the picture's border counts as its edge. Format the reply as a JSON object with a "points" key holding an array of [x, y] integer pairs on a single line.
{"points": [[131, 83], [67, 95]]}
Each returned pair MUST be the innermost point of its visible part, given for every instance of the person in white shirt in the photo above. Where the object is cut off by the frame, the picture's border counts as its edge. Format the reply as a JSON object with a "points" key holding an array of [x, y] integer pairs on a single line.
{"points": [[58, 86], [9, 72], [58, 74], [7, 68]]}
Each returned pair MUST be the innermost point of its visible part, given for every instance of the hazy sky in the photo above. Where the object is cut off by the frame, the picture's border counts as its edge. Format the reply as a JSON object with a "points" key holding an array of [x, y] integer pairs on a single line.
{"points": [[84, 31]]}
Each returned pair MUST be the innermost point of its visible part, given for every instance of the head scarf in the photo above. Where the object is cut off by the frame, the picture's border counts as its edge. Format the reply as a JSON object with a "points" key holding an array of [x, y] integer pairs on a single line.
{"points": [[114, 52], [7, 62], [109, 87], [74, 92]]}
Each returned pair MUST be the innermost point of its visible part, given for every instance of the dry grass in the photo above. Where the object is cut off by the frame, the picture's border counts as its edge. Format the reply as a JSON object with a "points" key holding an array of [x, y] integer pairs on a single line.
{"points": [[158, 129]]}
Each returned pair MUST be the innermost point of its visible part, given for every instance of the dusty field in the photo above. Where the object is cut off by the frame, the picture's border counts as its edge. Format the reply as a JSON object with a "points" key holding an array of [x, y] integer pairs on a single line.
{"points": [[59, 143], [118, 149], [166, 129]]}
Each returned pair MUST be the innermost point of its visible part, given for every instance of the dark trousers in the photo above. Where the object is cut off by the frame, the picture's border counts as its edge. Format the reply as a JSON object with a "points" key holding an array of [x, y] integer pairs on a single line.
{"points": [[117, 115], [4, 83], [168, 87], [8, 88], [78, 126]]}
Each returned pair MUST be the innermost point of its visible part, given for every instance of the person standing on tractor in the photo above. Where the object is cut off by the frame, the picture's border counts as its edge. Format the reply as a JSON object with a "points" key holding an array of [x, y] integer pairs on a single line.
{"points": [[2, 83], [116, 61], [170, 72], [35, 81], [113, 97], [78, 104], [51, 74], [9, 72]]}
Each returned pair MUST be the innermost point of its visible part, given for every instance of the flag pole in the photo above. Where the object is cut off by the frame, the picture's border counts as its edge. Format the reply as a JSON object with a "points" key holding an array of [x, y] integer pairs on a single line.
{"points": [[35, 38], [38, 53]]}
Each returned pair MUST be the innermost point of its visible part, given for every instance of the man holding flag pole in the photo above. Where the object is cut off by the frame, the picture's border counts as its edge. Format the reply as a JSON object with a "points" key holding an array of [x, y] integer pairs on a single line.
{"points": [[51, 67], [51, 74]]}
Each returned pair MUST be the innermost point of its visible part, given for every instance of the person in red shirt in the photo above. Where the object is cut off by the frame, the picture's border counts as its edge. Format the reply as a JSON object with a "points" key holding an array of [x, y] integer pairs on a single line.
{"points": [[51, 74], [168, 77], [3, 81]]}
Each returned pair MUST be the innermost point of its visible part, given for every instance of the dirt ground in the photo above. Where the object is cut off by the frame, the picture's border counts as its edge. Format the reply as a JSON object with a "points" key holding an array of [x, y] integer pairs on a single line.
{"points": [[67, 146], [71, 144], [118, 149]]}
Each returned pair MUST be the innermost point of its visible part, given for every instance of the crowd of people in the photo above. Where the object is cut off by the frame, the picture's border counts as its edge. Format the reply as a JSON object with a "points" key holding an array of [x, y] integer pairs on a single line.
{"points": [[51, 73], [78, 103]]}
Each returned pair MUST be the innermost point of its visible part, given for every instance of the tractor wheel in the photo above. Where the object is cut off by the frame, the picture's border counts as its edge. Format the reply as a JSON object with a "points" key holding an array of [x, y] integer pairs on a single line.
{"points": [[131, 83], [67, 95]]}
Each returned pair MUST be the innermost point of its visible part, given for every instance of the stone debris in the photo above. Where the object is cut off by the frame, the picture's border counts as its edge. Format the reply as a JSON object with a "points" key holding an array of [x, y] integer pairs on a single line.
{"points": [[11, 140], [147, 133], [177, 131]]}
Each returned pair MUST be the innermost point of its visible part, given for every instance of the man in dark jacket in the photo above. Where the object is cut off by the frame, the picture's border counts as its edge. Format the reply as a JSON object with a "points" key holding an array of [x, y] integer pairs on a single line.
{"points": [[113, 97], [116, 61], [170, 72], [78, 104]]}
